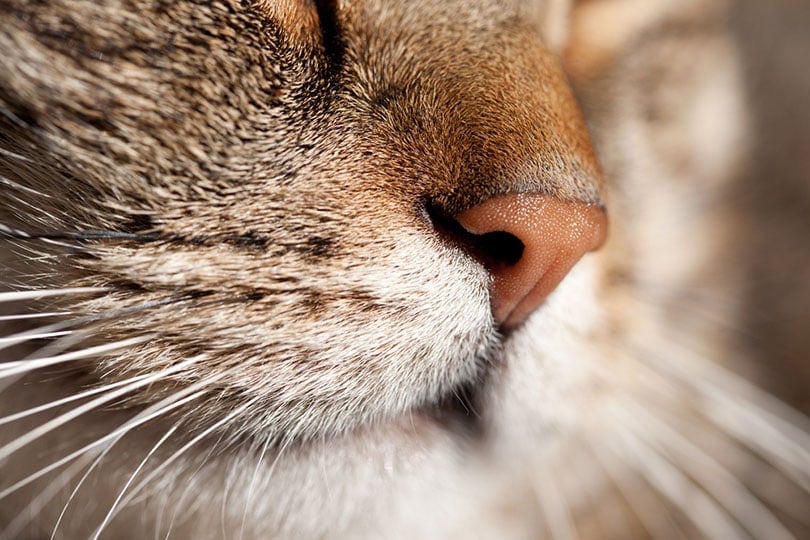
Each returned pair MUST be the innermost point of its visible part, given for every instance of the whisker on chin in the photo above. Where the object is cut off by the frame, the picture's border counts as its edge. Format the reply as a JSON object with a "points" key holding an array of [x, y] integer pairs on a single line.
{"points": [[249, 497], [180, 502], [175, 456], [165, 405], [129, 481], [88, 454]]}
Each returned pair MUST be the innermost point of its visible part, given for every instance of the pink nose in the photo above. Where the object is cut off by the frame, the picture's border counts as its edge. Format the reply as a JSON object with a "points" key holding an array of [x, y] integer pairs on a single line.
{"points": [[529, 242]]}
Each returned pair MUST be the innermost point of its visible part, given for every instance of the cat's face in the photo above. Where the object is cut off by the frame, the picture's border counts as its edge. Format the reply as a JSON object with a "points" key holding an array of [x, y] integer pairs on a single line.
{"points": [[262, 233], [279, 169]]}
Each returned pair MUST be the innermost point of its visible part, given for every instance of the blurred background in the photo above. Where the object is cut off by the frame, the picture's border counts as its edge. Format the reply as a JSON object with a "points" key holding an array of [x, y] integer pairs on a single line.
{"points": [[774, 36]]}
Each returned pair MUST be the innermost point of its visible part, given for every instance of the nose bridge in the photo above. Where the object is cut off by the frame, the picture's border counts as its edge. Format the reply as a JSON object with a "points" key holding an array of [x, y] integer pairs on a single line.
{"points": [[514, 124], [486, 105], [538, 140]]}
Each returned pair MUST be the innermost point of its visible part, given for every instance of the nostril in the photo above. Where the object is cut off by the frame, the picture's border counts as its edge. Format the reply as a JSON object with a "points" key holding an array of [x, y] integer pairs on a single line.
{"points": [[527, 241], [494, 250], [498, 248]]}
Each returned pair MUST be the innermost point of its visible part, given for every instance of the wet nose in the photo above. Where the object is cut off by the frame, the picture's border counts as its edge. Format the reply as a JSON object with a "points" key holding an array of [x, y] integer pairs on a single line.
{"points": [[529, 242]]}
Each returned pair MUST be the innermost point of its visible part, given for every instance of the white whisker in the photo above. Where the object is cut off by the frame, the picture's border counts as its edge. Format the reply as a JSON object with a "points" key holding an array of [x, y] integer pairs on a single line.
{"points": [[704, 513], [165, 405], [171, 459], [252, 486], [75, 397], [179, 502], [24, 366], [36, 294], [715, 479], [756, 419], [15, 340], [139, 419], [653, 516], [50, 349], [62, 419], [102, 453], [137, 470], [161, 407], [25, 316]]}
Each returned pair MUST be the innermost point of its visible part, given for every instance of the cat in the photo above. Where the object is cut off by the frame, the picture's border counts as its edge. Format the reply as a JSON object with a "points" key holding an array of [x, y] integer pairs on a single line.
{"points": [[379, 269]]}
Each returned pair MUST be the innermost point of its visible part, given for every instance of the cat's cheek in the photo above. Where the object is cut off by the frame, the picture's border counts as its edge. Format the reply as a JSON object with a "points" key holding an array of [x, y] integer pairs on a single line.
{"points": [[429, 333]]}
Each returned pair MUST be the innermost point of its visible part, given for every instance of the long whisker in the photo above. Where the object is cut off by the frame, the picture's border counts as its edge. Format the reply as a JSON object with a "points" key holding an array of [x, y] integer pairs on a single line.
{"points": [[707, 516], [178, 502], [100, 454], [171, 459], [717, 481], [251, 487], [768, 436], [652, 515], [36, 294], [62, 419], [50, 349], [69, 399], [25, 316], [171, 402], [140, 419], [31, 337], [137, 470], [24, 366], [116, 313], [756, 419], [166, 404]]}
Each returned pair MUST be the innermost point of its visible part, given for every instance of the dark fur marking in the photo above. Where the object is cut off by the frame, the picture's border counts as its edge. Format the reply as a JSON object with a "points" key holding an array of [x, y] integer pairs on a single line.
{"points": [[318, 246], [333, 43], [388, 96], [139, 223]]}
